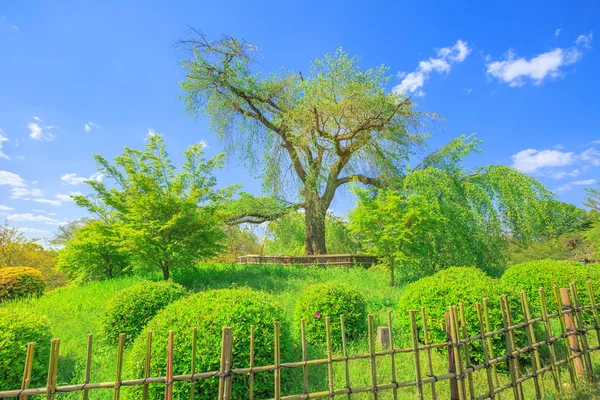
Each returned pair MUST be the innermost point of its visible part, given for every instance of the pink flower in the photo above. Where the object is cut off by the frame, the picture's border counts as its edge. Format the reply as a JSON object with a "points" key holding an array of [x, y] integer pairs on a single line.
{"points": [[317, 315]]}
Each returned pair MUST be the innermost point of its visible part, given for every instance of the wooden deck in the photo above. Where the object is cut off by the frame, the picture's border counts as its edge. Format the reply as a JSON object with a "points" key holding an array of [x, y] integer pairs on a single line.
{"points": [[346, 260]]}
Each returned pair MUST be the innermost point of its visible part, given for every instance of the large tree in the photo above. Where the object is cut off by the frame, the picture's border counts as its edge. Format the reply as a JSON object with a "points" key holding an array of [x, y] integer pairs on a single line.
{"points": [[166, 218], [310, 133]]}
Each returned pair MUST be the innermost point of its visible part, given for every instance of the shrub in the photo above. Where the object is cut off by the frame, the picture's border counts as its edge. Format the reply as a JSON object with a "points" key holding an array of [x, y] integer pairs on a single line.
{"points": [[530, 276], [450, 287], [132, 308], [331, 299], [18, 329], [210, 311], [16, 282]]}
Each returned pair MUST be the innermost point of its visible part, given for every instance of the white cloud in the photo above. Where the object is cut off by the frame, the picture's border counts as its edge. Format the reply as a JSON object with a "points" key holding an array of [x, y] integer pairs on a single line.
{"points": [[2, 140], [32, 230], [531, 160], [67, 197], [468, 90], [568, 186], [10, 179], [29, 217], [446, 57], [37, 132], [592, 156], [585, 182], [89, 126], [49, 201], [518, 71], [5, 208], [557, 32], [74, 179], [19, 192], [151, 132], [564, 174]]}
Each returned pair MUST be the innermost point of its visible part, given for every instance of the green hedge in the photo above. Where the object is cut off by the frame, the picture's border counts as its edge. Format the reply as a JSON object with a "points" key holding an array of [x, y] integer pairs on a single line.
{"points": [[132, 308], [17, 282], [210, 311], [331, 299], [450, 287], [16, 330], [530, 276]]}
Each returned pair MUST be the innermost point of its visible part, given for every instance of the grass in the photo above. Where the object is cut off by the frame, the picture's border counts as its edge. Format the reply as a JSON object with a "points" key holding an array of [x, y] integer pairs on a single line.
{"points": [[74, 312]]}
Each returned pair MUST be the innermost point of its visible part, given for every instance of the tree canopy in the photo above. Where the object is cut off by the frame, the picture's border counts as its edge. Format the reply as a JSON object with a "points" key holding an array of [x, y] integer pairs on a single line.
{"points": [[308, 134], [441, 214]]}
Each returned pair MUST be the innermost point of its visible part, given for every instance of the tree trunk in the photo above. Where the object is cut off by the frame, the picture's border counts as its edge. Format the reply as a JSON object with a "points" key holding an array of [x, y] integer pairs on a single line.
{"points": [[165, 270], [314, 212]]}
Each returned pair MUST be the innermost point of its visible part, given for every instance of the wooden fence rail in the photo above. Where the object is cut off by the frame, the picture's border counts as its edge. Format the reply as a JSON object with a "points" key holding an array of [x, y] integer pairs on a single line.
{"points": [[524, 362]]}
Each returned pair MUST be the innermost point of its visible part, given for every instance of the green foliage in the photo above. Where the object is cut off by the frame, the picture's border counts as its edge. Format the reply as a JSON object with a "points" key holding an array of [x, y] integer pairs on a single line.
{"points": [[167, 219], [287, 235], [593, 235], [238, 241], [17, 330], [312, 133], [17, 282], [440, 214], [131, 309], [94, 251], [331, 299], [209, 311], [450, 287], [531, 276]]}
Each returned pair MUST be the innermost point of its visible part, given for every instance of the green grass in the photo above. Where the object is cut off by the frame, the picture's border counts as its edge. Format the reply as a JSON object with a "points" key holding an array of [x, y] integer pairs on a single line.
{"points": [[74, 312]]}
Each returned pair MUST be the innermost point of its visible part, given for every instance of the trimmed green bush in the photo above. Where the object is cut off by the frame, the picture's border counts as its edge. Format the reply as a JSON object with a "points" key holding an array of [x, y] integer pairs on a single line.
{"points": [[132, 308], [331, 299], [16, 330], [532, 275], [210, 311], [17, 282], [450, 287]]}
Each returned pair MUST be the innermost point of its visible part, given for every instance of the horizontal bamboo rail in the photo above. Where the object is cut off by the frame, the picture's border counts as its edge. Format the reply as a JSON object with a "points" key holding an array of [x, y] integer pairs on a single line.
{"points": [[574, 336], [346, 260]]}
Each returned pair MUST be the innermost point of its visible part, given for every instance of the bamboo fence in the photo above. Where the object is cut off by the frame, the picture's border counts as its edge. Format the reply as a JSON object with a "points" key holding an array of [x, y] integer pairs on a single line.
{"points": [[524, 363]]}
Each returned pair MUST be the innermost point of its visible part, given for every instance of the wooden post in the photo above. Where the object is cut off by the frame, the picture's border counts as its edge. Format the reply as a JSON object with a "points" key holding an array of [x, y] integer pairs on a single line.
{"points": [[417, 359], [451, 363], [383, 337], [169, 377], [27, 370], [372, 360], [88, 366], [572, 331]]}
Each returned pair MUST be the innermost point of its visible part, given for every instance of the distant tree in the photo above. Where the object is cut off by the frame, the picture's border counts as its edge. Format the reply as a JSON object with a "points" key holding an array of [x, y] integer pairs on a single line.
{"points": [[167, 218], [94, 251], [336, 125], [441, 215], [12, 246], [286, 235], [66, 232], [238, 241], [593, 234]]}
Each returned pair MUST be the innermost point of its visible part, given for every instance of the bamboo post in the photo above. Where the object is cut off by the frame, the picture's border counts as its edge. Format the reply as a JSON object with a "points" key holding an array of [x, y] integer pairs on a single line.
{"points": [[563, 328], [486, 356], [372, 360], [305, 356], [119, 368], [194, 355], [415, 349], [582, 332], [463, 324], [594, 309], [147, 365], [222, 364], [512, 364], [490, 341], [277, 362], [428, 351], [329, 356], [27, 369], [169, 377], [229, 365], [462, 392], [251, 388], [393, 355], [88, 366], [52, 369], [548, 329], [345, 352], [531, 339], [572, 332], [451, 363]]}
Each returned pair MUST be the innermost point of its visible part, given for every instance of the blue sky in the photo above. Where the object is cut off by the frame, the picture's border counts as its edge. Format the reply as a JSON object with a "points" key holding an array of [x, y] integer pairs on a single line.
{"points": [[79, 78]]}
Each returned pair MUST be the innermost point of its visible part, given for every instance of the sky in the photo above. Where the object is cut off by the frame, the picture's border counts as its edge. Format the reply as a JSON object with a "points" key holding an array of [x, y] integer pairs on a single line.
{"points": [[88, 77]]}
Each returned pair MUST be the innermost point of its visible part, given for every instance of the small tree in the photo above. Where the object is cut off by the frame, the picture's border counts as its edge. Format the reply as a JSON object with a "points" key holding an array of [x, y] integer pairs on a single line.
{"points": [[12, 246], [167, 219], [441, 215], [593, 235], [94, 251]]}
